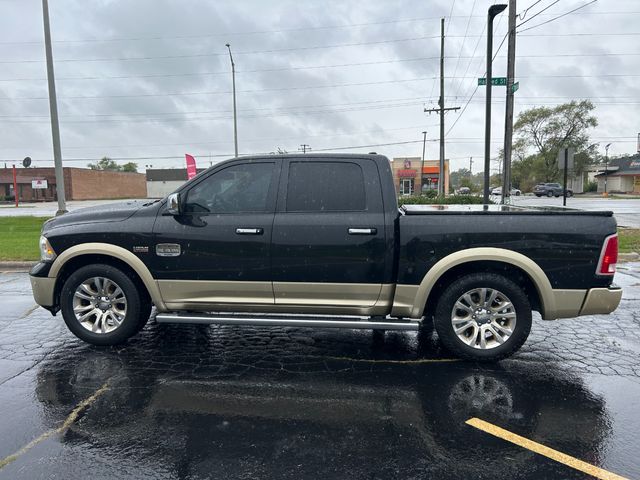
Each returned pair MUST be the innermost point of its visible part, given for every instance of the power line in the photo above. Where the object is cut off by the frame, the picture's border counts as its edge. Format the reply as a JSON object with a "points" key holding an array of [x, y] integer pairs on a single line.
{"points": [[255, 139], [277, 109], [309, 87], [199, 55], [522, 15], [541, 11], [261, 32], [316, 47], [310, 67], [559, 16], [464, 108], [407, 101], [455, 70]]}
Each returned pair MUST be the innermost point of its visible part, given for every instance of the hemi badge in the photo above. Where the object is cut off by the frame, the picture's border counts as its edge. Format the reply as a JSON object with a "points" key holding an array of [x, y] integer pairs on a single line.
{"points": [[168, 250], [140, 249]]}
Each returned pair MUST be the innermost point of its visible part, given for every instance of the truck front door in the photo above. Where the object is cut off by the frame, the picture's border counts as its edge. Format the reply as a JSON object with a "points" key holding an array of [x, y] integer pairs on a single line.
{"points": [[218, 250]]}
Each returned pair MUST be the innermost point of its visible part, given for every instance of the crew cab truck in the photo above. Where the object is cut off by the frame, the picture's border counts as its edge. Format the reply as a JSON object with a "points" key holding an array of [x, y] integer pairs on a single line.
{"points": [[319, 241]]}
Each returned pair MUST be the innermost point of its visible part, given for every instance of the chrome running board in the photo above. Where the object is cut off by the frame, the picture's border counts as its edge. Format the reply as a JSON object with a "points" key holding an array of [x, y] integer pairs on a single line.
{"points": [[287, 321]]}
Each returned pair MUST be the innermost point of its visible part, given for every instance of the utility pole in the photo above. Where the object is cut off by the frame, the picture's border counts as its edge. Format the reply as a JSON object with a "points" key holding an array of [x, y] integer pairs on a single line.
{"points": [[508, 116], [424, 146], [53, 108], [304, 147], [441, 110], [493, 11], [470, 166], [235, 116]]}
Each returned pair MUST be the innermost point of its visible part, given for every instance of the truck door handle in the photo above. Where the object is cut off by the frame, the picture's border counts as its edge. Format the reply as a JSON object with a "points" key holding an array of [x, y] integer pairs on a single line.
{"points": [[249, 231], [363, 231]]}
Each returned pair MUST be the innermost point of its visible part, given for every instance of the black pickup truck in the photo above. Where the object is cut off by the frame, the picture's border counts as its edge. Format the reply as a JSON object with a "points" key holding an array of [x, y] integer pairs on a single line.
{"points": [[319, 241]]}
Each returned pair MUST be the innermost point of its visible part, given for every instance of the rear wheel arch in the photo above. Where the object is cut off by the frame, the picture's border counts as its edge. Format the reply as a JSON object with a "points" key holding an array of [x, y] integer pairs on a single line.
{"points": [[486, 259]]}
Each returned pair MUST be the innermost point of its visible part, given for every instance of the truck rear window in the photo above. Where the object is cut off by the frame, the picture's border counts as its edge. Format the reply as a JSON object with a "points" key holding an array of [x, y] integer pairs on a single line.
{"points": [[325, 187]]}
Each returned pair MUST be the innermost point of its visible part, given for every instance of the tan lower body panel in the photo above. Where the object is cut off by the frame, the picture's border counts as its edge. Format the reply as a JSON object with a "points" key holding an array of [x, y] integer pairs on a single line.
{"points": [[601, 301], [567, 304], [279, 297], [336, 294], [187, 293], [43, 288], [404, 300]]}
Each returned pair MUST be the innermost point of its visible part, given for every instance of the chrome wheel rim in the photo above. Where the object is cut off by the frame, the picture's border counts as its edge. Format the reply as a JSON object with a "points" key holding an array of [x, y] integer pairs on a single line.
{"points": [[99, 305], [483, 318]]}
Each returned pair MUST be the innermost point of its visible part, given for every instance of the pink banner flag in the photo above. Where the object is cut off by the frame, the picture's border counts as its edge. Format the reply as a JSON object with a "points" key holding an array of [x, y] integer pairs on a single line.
{"points": [[191, 166]]}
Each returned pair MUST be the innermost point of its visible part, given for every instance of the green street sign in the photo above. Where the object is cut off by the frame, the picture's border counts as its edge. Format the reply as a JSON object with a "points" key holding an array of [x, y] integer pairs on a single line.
{"points": [[515, 87], [500, 81]]}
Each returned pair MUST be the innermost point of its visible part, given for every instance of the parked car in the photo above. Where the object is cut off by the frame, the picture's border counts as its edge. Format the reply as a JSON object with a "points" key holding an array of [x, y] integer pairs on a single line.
{"points": [[550, 190], [316, 235], [464, 191], [498, 191]]}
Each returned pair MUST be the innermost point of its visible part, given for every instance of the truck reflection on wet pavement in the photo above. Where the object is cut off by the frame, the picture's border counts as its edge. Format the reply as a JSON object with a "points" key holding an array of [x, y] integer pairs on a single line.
{"points": [[192, 402]]}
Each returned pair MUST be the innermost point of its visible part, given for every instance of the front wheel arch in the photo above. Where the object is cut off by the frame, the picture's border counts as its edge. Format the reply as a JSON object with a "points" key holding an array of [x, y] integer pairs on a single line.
{"points": [[80, 261]]}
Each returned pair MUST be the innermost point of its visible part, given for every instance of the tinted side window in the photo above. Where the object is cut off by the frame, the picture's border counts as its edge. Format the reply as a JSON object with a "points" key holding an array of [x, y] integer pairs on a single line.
{"points": [[325, 187], [239, 188]]}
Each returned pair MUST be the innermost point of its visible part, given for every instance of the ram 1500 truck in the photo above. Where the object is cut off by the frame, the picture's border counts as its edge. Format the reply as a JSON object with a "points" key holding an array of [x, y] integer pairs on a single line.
{"points": [[319, 241]]}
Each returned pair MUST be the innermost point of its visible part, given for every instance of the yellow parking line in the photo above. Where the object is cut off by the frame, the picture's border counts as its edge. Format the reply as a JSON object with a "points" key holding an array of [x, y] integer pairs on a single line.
{"points": [[543, 450], [72, 417]]}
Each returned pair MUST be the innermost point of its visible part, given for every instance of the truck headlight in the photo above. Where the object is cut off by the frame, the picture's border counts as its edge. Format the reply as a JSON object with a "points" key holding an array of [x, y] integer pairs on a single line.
{"points": [[46, 250]]}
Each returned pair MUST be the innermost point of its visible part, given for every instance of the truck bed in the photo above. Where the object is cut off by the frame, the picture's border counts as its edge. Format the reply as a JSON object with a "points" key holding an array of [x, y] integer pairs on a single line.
{"points": [[496, 210], [564, 242]]}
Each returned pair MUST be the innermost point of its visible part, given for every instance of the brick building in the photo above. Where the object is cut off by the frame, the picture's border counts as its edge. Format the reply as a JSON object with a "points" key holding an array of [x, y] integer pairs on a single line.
{"points": [[409, 181], [79, 183]]}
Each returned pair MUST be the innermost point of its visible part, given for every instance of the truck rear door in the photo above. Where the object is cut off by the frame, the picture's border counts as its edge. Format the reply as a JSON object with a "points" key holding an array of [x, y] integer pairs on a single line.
{"points": [[328, 243]]}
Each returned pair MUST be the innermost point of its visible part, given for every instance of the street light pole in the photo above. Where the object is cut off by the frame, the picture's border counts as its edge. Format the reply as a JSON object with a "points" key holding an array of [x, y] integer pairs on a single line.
{"points": [[53, 108], [235, 117], [493, 11], [424, 145], [606, 166]]}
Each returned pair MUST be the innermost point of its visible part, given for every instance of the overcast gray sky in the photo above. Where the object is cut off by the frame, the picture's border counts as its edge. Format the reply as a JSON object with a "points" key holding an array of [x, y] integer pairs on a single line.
{"points": [[151, 78]]}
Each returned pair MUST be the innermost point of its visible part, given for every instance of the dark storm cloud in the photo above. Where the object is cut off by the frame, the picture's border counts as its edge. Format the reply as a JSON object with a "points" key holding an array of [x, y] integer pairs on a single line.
{"points": [[135, 114]]}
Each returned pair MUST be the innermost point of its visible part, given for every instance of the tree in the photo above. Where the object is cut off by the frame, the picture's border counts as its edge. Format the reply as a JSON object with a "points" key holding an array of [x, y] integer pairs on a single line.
{"points": [[544, 131], [130, 167], [105, 163]]}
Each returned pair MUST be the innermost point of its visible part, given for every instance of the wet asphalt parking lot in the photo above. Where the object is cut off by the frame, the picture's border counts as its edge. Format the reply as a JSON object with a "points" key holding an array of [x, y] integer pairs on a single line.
{"points": [[194, 402]]}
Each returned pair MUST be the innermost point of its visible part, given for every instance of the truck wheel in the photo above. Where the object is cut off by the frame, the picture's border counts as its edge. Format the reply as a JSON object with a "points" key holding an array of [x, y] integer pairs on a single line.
{"points": [[569, 193], [549, 194], [101, 305], [483, 316]]}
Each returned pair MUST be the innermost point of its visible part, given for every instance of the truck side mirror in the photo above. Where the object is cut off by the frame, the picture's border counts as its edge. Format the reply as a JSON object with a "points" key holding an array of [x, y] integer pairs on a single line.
{"points": [[173, 204]]}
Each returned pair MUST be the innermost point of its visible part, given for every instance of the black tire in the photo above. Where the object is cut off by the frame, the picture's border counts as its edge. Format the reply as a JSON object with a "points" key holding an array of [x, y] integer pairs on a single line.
{"points": [[517, 194], [136, 308], [145, 313], [455, 290], [569, 193], [549, 194]]}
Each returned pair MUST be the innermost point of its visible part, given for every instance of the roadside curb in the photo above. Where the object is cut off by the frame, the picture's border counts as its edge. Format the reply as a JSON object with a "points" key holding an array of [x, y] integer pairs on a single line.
{"points": [[628, 257], [16, 266]]}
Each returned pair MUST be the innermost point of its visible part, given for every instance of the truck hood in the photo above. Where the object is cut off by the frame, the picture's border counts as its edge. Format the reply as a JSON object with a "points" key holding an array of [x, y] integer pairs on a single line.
{"points": [[113, 212]]}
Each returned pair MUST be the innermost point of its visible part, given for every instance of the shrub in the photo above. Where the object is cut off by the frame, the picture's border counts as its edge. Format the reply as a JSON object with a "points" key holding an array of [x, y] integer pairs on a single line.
{"points": [[435, 200], [591, 186]]}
